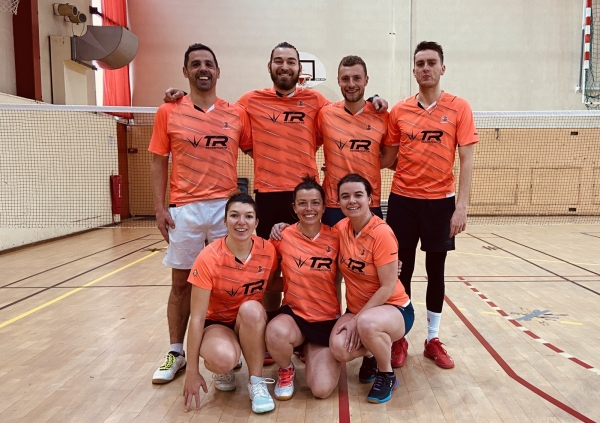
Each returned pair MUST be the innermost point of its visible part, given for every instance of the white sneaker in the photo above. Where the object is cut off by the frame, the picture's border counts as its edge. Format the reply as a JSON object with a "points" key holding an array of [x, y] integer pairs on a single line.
{"points": [[284, 389], [224, 382], [259, 394], [174, 362]]}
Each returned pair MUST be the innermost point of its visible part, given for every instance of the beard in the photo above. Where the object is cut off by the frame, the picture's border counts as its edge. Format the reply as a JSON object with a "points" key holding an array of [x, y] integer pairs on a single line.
{"points": [[285, 82], [203, 84], [353, 97]]}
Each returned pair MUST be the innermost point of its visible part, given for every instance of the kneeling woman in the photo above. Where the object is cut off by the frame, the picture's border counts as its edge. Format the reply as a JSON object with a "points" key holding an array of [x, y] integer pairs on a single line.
{"points": [[379, 311], [308, 251], [229, 279]]}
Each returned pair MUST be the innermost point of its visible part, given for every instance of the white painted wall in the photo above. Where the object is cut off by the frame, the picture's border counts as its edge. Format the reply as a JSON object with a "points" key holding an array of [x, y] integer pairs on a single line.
{"points": [[500, 55]]}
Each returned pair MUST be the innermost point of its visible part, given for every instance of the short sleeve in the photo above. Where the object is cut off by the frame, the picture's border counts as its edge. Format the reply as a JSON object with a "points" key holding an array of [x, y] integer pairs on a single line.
{"points": [[272, 245], [322, 100], [160, 143], [200, 274], [385, 247], [319, 127], [466, 132], [393, 130], [245, 131], [244, 100]]}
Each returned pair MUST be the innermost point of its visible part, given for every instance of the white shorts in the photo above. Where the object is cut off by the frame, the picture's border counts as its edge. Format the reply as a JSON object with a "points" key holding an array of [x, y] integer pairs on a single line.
{"points": [[195, 223]]}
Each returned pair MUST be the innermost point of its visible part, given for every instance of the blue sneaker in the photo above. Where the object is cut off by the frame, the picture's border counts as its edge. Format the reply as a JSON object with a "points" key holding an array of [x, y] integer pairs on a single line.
{"points": [[259, 394], [382, 388]]}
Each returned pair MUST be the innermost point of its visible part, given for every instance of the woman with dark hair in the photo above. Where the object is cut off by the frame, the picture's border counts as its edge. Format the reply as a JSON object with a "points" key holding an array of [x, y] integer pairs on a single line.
{"points": [[379, 311], [227, 318], [308, 251]]}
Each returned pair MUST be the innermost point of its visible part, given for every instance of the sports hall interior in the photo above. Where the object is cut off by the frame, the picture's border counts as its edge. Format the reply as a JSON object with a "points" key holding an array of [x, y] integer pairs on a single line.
{"points": [[83, 290]]}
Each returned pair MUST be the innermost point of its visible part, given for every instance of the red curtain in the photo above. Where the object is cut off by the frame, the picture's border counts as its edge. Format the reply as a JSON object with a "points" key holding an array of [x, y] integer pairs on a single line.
{"points": [[116, 82]]}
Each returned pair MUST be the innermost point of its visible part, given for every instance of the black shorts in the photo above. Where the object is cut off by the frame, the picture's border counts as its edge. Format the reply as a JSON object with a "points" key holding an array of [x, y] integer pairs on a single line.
{"points": [[408, 314], [273, 207], [209, 322], [317, 332], [333, 215], [412, 219]]}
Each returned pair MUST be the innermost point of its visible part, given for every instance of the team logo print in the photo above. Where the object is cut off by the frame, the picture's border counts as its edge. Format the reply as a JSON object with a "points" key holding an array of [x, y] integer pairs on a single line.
{"points": [[360, 146], [328, 249], [288, 117], [321, 264], [356, 266], [260, 269], [362, 253], [444, 119], [368, 128], [412, 136], [226, 125], [231, 292], [299, 262], [195, 272], [340, 144], [210, 141], [253, 287], [427, 136], [300, 103]]}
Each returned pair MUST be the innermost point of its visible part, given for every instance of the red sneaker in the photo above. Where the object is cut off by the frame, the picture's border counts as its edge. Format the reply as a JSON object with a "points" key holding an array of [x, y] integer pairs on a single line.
{"points": [[435, 351], [268, 359], [399, 352]]}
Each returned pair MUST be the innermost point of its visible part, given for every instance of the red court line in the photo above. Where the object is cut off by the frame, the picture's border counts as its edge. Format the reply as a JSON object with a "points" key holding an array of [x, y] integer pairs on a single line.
{"points": [[510, 372], [344, 404]]}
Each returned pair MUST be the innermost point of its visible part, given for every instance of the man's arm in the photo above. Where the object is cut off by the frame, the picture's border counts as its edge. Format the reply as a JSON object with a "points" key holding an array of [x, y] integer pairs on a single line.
{"points": [[158, 179], [389, 154], [458, 223]]}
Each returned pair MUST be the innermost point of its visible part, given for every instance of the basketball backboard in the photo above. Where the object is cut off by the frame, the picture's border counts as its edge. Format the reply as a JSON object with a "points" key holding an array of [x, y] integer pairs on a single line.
{"points": [[313, 66]]}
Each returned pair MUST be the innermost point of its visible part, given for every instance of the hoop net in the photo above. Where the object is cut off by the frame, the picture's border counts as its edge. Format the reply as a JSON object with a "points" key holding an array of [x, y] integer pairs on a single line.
{"points": [[303, 80], [9, 6]]}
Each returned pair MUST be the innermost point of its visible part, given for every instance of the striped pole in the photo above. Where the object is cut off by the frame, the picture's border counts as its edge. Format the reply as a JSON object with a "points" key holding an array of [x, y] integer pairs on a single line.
{"points": [[587, 36]]}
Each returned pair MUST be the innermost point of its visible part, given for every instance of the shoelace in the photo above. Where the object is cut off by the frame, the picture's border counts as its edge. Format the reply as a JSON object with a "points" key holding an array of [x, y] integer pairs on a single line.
{"points": [[437, 345], [379, 382], [259, 389], [169, 360], [227, 377], [285, 376]]}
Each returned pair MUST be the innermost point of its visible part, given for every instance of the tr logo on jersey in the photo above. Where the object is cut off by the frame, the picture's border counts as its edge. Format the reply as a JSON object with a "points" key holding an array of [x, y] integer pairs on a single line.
{"points": [[360, 146], [321, 264], [353, 265], [340, 144], [231, 292], [427, 136], [252, 287], [211, 141], [288, 117]]}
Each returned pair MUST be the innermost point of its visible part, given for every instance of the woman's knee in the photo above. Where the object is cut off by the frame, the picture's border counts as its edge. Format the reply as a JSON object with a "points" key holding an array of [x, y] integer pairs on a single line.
{"points": [[252, 313], [367, 325], [221, 360]]}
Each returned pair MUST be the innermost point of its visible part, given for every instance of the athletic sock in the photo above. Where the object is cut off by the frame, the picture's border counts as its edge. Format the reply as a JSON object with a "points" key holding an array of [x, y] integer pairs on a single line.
{"points": [[178, 348], [433, 325]]}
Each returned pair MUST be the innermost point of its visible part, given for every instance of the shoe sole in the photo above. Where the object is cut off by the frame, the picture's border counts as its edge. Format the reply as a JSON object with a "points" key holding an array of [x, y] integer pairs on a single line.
{"points": [[443, 366], [397, 365], [259, 411], [367, 380], [386, 399], [283, 398], [228, 389], [163, 381]]}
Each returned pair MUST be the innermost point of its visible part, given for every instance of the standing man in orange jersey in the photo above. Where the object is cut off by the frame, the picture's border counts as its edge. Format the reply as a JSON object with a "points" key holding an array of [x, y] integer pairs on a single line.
{"points": [[202, 134], [426, 129]]}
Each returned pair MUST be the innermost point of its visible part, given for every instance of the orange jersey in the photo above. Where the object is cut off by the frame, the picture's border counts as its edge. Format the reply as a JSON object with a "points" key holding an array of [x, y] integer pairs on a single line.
{"points": [[230, 281], [428, 140], [351, 144], [359, 258], [204, 148], [309, 267], [283, 132]]}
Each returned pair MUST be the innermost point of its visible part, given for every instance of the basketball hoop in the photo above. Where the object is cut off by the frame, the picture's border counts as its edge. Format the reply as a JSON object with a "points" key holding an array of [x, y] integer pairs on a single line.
{"points": [[9, 6], [303, 80]]}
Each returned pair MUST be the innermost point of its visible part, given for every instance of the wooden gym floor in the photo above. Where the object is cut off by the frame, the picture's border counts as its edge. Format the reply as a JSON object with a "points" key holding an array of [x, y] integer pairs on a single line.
{"points": [[83, 327]]}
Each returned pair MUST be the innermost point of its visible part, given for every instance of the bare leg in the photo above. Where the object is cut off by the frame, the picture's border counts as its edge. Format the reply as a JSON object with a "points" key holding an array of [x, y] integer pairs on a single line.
{"points": [[282, 336], [220, 349], [250, 327], [336, 342], [322, 370], [178, 307], [378, 327]]}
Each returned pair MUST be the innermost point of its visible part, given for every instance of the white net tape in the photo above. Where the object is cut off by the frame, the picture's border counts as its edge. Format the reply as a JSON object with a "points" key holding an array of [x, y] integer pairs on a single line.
{"points": [[9, 6]]}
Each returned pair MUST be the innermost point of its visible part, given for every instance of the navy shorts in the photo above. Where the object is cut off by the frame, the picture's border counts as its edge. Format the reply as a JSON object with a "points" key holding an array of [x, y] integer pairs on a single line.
{"points": [[209, 322], [412, 219], [408, 313], [317, 332], [273, 207], [334, 215]]}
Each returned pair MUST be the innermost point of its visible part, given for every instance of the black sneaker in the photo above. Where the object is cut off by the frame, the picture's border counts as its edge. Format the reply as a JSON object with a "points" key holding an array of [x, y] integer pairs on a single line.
{"points": [[368, 370], [382, 388]]}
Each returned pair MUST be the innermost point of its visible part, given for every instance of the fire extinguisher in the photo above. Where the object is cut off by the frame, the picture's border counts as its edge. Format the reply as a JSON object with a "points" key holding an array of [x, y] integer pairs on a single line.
{"points": [[116, 194]]}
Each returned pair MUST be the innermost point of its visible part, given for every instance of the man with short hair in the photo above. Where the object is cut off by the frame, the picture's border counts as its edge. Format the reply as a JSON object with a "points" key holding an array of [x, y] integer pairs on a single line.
{"points": [[426, 129], [352, 133], [202, 134]]}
